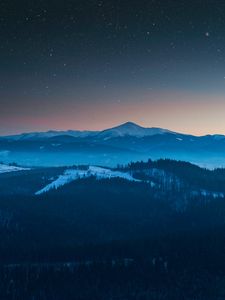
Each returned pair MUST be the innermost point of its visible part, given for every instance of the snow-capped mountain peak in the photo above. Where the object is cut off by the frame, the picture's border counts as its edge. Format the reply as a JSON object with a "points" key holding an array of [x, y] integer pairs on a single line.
{"points": [[132, 129], [126, 129]]}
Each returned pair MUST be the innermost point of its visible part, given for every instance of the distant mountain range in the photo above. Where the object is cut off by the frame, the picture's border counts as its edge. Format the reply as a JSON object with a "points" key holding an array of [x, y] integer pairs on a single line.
{"points": [[126, 129], [119, 144]]}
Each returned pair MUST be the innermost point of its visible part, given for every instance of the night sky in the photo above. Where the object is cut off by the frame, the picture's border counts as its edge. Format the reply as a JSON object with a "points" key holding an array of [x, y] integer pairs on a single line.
{"points": [[94, 64]]}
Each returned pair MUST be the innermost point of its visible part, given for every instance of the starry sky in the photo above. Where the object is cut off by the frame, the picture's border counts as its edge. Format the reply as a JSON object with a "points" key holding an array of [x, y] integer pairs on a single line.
{"points": [[94, 64]]}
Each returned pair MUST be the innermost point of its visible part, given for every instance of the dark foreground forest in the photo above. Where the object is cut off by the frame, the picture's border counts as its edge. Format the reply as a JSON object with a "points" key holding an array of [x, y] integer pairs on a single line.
{"points": [[160, 237]]}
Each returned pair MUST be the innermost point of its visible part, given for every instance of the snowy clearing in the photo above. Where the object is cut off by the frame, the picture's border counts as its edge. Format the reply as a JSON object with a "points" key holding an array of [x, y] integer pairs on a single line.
{"points": [[73, 174], [7, 169]]}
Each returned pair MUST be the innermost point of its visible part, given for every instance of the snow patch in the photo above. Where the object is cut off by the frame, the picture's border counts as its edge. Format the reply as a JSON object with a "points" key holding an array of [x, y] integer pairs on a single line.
{"points": [[73, 174], [7, 169]]}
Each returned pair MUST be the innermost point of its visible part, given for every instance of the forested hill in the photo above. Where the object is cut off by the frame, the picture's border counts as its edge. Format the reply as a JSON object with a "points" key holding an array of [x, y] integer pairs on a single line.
{"points": [[192, 174], [148, 230]]}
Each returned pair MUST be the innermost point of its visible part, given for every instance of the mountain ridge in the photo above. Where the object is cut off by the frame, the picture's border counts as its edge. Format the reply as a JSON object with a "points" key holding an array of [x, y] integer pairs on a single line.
{"points": [[117, 145], [125, 129]]}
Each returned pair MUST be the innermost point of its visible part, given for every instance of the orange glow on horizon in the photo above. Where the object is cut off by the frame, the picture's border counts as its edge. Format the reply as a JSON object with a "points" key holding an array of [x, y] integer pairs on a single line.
{"points": [[177, 111]]}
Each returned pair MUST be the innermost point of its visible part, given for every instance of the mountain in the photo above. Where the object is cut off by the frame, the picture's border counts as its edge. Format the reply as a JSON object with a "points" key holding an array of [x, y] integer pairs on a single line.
{"points": [[49, 134], [117, 145], [126, 129], [132, 129]]}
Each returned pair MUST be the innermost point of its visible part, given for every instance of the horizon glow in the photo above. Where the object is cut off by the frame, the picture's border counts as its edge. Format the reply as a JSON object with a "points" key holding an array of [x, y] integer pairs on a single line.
{"points": [[155, 64]]}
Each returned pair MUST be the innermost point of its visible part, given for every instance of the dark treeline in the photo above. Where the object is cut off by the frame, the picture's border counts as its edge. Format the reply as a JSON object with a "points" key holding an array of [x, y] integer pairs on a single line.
{"points": [[112, 238], [163, 268], [92, 211], [194, 175]]}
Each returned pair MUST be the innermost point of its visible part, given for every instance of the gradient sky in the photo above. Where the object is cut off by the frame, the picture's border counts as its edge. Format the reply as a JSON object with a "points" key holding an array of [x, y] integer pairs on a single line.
{"points": [[93, 64]]}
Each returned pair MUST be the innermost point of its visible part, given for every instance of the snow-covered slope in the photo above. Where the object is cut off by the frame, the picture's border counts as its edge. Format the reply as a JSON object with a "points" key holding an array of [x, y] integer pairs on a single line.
{"points": [[74, 174], [161, 180], [6, 168]]}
